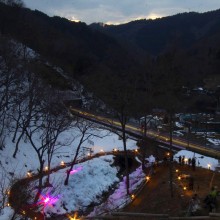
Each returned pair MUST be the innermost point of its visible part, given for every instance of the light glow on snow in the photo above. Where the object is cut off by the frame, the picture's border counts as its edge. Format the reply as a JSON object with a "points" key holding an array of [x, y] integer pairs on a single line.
{"points": [[76, 170], [29, 174], [47, 200], [147, 178], [74, 217], [201, 160]]}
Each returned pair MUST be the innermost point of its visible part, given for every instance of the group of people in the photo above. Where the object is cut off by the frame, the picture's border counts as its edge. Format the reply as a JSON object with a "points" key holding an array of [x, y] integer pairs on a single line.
{"points": [[190, 161], [210, 202]]}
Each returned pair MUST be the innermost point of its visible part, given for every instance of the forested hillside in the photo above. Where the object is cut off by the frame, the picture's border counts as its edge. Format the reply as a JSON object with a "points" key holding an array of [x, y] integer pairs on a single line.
{"points": [[150, 59], [159, 35], [71, 45]]}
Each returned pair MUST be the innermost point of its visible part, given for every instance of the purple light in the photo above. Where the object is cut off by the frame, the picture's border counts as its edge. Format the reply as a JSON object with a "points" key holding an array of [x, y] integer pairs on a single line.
{"points": [[76, 170], [47, 200]]}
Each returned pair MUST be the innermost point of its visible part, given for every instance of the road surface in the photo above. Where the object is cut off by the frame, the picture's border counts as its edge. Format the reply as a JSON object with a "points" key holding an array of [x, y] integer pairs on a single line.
{"points": [[163, 139]]}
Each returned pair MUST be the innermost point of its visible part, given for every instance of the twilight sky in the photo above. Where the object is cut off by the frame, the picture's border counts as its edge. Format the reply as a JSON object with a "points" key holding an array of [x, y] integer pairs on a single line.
{"points": [[119, 11]]}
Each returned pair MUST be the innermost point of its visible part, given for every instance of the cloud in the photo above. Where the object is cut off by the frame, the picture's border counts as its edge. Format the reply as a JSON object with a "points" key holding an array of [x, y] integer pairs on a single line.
{"points": [[116, 11]]}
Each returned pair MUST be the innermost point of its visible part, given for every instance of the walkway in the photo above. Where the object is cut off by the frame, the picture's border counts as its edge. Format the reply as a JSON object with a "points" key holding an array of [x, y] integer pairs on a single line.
{"points": [[156, 198]]}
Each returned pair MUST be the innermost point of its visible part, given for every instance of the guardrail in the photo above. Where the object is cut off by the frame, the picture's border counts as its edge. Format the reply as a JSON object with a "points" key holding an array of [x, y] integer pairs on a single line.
{"points": [[140, 216]]}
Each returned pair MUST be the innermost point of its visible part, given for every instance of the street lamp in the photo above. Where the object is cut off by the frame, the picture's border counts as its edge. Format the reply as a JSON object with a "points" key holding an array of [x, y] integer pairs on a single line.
{"points": [[209, 166]]}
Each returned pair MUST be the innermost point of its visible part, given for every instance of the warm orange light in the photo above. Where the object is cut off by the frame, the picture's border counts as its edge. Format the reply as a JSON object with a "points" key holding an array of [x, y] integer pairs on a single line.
{"points": [[62, 163], [147, 178], [29, 174], [46, 168], [136, 150], [8, 204], [168, 154], [73, 218], [184, 188], [185, 159], [102, 150], [179, 177], [132, 196], [209, 166], [177, 171]]}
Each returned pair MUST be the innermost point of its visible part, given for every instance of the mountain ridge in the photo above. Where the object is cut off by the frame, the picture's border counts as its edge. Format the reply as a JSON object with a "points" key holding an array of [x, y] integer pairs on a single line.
{"points": [[158, 58], [144, 32]]}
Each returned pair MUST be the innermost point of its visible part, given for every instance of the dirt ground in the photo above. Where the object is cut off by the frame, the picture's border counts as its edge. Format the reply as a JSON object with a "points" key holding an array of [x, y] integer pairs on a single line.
{"points": [[156, 195]]}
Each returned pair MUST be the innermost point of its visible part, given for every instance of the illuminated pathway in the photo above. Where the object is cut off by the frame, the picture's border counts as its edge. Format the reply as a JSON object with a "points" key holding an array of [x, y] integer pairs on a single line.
{"points": [[135, 131], [17, 197]]}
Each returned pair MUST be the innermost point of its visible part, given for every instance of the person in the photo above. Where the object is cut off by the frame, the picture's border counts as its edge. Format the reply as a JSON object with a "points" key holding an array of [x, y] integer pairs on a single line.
{"points": [[157, 161], [191, 183], [189, 161], [211, 199], [165, 160], [193, 205], [213, 192], [183, 160], [171, 157], [180, 159], [193, 163]]}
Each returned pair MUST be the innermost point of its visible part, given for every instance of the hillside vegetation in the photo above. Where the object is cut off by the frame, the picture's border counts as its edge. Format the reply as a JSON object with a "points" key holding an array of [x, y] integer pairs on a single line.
{"points": [[151, 59]]}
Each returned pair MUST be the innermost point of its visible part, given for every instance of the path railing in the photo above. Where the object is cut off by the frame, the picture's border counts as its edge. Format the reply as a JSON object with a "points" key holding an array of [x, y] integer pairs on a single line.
{"points": [[142, 216]]}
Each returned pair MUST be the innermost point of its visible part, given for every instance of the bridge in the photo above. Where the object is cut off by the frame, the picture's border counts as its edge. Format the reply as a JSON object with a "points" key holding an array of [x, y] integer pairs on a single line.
{"points": [[161, 138]]}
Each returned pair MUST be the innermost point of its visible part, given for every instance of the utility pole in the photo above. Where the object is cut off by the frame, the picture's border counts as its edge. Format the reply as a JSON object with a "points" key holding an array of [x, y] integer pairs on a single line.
{"points": [[171, 154], [206, 128], [188, 133]]}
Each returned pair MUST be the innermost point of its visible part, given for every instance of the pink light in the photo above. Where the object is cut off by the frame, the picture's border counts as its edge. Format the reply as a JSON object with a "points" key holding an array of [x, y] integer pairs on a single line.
{"points": [[73, 171], [76, 170], [47, 200]]}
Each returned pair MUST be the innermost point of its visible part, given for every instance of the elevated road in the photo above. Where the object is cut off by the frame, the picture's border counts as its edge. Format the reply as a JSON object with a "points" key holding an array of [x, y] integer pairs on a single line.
{"points": [[161, 138]]}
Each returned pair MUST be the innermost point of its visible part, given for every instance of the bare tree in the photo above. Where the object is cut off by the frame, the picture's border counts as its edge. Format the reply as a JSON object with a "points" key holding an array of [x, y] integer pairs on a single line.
{"points": [[55, 122], [27, 109], [10, 78], [124, 105], [47, 119], [85, 130], [4, 191], [14, 3]]}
